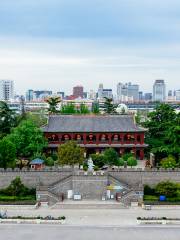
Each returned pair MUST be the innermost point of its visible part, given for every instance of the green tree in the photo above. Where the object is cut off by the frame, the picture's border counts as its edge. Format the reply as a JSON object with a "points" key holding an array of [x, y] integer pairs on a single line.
{"points": [[168, 162], [111, 157], [8, 119], [17, 188], [120, 162], [7, 153], [132, 162], [49, 161], [169, 189], [70, 153], [84, 109], [68, 109], [53, 104], [38, 119], [126, 156], [28, 139], [95, 108], [98, 160], [163, 132], [109, 106]]}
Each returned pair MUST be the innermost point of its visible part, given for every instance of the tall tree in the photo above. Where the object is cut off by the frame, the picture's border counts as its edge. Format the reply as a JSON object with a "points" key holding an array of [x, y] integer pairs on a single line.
{"points": [[28, 139], [111, 157], [8, 119], [109, 106], [163, 132], [70, 154], [53, 104], [7, 153]]}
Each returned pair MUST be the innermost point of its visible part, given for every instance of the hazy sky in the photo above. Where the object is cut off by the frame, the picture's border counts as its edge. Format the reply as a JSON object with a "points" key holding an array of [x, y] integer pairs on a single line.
{"points": [[56, 44]]}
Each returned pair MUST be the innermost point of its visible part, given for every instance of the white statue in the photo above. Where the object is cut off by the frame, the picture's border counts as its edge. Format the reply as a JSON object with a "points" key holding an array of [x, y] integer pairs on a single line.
{"points": [[90, 165]]}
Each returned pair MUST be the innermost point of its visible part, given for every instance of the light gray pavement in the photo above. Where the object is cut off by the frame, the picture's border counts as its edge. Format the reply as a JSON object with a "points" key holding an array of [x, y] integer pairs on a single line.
{"points": [[47, 232], [97, 217]]}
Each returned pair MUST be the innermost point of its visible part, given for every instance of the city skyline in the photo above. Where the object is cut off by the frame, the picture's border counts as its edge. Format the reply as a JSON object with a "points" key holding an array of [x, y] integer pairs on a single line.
{"points": [[58, 44]]}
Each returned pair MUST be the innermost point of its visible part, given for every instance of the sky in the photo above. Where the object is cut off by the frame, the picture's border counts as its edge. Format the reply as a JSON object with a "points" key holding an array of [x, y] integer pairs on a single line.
{"points": [[57, 44]]}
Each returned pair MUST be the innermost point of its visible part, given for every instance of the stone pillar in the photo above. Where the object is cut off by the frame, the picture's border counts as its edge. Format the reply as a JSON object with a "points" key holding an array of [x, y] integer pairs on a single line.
{"points": [[141, 154]]}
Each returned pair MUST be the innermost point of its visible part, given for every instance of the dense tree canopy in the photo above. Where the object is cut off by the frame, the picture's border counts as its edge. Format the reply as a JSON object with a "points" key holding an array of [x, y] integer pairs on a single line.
{"points": [[7, 153], [28, 139], [70, 154], [111, 157], [163, 135], [8, 119]]}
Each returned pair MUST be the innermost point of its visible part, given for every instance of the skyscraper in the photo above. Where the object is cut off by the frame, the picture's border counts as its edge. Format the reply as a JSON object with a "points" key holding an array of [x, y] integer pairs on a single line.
{"points": [[159, 91], [29, 95], [100, 91], [78, 91], [6, 90], [127, 90]]}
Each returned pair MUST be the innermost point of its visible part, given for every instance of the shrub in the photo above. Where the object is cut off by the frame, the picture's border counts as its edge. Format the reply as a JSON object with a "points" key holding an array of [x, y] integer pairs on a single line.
{"points": [[111, 157], [96, 168], [98, 160], [148, 190], [120, 162], [168, 162], [131, 161], [126, 156], [169, 189]]}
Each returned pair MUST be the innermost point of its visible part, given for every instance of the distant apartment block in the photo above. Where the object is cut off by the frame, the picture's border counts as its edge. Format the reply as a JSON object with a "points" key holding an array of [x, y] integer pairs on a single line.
{"points": [[6, 90], [78, 91]]}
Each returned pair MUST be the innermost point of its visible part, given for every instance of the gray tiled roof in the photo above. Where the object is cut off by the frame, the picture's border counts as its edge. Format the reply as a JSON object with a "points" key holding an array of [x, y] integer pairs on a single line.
{"points": [[91, 123]]}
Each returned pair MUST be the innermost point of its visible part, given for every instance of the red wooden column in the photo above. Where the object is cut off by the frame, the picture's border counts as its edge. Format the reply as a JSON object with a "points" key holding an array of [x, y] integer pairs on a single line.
{"points": [[60, 137], [142, 138], [97, 138], [109, 138], [122, 138], [141, 154], [134, 151], [135, 138], [84, 138]]}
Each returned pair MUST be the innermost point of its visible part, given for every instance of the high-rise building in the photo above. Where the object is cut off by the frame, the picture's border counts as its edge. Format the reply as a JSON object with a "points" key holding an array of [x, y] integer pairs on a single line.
{"points": [[61, 94], [41, 94], [177, 95], [100, 91], [141, 97], [78, 91], [159, 91], [127, 90], [148, 96], [29, 95], [92, 95], [107, 93], [6, 90]]}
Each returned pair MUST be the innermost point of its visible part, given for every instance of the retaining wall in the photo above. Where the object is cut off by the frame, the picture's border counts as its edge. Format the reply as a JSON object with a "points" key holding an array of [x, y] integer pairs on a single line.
{"points": [[127, 176]]}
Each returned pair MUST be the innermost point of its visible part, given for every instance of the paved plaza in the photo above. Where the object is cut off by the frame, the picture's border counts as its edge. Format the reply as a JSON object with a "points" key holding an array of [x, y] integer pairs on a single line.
{"points": [[92, 224], [42, 232]]}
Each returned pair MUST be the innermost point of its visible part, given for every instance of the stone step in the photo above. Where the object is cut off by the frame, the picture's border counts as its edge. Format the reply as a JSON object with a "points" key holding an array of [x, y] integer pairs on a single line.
{"points": [[61, 205]]}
